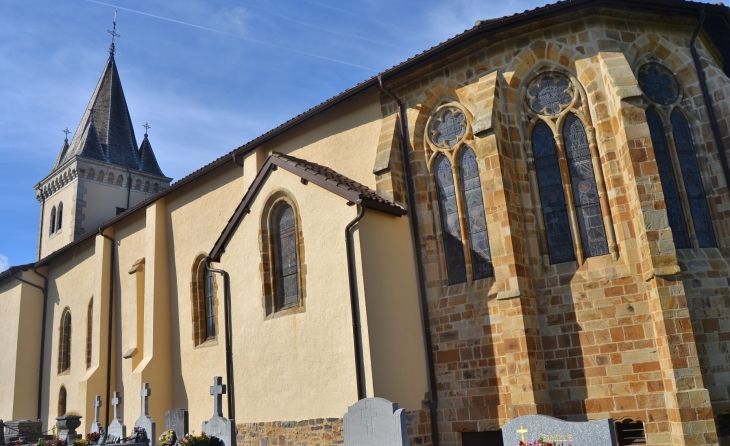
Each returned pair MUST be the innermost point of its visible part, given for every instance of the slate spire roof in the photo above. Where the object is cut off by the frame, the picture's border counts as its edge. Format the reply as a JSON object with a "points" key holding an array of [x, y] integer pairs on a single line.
{"points": [[105, 132]]}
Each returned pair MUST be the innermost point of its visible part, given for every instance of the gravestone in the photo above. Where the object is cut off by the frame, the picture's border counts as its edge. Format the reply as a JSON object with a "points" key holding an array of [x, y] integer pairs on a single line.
{"points": [[96, 426], [533, 427], [177, 420], [218, 426], [17, 429], [144, 420], [116, 430], [375, 421]]}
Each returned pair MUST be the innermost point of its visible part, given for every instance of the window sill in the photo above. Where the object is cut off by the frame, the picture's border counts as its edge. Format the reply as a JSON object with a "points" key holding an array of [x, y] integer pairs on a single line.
{"points": [[210, 342], [286, 311]]}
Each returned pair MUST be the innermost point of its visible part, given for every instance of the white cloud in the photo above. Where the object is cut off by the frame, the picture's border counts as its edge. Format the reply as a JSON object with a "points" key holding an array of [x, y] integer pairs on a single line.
{"points": [[4, 263]]}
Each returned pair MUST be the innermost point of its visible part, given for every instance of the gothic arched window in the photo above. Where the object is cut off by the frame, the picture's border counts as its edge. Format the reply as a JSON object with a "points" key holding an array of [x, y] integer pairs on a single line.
{"points": [[692, 180], [203, 302], [64, 342], [668, 180], [585, 191], [59, 217], [450, 226], [471, 186], [552, 198], [62, 401], [53, 220], [676, 159], [286, 258], [89, 331]]}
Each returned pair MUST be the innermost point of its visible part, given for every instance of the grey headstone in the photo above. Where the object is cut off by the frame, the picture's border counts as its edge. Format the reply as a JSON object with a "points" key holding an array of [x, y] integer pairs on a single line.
{"points": [[116, 430], [96, 425], [144, 420], [584, 433], [375, 421], [27, 429], [177, 420], [220, 427]]}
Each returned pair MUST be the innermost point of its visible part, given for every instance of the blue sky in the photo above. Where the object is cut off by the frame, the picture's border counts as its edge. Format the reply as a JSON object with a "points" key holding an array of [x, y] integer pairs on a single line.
{"points": [[207, 75]]}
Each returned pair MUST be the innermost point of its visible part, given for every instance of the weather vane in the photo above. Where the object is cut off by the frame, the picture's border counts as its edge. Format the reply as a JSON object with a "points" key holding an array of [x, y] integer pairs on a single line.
{"points": [[146, 128], [114, 34], [66, 131]]}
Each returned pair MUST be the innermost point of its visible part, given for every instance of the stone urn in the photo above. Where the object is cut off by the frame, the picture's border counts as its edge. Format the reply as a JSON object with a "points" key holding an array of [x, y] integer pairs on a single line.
{"points": [[67, 426]]}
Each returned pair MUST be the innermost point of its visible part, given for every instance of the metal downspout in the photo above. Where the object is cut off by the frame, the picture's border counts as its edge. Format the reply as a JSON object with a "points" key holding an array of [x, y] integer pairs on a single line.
{"points": [[109, 323], [354, 304], [708, 101], [229, 352], [40, 231], [411, 200], [129, 186], [44, 289]]}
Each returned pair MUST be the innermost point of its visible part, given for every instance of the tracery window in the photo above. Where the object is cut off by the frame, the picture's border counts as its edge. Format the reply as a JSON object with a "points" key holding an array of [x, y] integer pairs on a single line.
{"points": [[59, 216], [679, 172], [64, 342], [89, 331], [464, 235], [53, 220], [574, 221], [285, 256]]}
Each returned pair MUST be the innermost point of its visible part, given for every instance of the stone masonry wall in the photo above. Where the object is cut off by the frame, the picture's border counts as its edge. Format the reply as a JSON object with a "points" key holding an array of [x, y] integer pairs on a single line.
{"points": [[641, 333]]}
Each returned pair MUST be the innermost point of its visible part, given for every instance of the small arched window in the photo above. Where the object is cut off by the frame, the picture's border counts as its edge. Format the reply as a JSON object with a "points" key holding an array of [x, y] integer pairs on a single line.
{"points": [[89, 331], [62, 401], [286, 258], [450, 225], [100, 177], [146, 186], [120, 180], [110, 178], [155, 187], [203, 302], [138, 184], [53, 220], [552, 198], [91, 174], [692, 180], [59, 216], [64, 342], [471, 187]]}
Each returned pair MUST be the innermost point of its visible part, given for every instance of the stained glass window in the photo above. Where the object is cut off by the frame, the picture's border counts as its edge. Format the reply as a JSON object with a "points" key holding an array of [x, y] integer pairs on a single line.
{"points": [[658, 83], [481, 257], [286, 263], [675, 214], [450, 227], [692, 181], [447, 127], [585, 191], [549, 94], [552, 198], [209, 304]]}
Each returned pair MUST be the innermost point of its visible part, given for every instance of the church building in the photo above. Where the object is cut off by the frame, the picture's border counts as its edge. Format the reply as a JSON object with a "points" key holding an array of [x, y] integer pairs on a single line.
{"points": [[532, 217]]}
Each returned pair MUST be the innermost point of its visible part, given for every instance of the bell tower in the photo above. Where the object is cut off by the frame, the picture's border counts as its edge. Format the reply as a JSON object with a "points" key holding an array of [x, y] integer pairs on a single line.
{"points": [[101, 172]]}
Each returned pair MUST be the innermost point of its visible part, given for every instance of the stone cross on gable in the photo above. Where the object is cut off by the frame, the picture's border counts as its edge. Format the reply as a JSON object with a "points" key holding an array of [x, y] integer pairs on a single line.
{"points": [[145, 393], [115, 402], [218, 389]]}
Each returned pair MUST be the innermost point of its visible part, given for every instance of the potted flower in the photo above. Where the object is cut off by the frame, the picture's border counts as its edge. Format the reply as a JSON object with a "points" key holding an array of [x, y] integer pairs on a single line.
{"points": [[92, 438], [139, 435], [168, 438]]}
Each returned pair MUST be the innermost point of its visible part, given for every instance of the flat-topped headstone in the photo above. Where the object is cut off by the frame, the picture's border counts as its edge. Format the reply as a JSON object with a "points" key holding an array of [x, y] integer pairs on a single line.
{"points": [[96, 426], [177, 420], [220, 427], [533, 427], [116, 430], [375, 421], [144, 420]]}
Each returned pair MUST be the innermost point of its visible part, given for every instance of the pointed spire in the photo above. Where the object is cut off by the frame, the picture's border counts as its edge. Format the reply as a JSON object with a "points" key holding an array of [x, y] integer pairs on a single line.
{"points": [[63, 151], [147, 159]]}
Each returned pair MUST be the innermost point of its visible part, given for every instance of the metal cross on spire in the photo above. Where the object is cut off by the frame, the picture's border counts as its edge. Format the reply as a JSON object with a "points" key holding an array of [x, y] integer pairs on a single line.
{"points": [[66, 131], [114, 34], [146, 128]]}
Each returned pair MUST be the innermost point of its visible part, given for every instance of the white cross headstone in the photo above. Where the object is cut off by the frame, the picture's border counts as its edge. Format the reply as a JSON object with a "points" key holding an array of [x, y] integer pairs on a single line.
{"points": [[144, 420], [220, 427], [116, 430], [96, 425]]}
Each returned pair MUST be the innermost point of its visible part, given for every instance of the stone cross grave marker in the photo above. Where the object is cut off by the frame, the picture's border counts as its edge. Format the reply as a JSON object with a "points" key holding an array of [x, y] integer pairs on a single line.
{"points": [[220, 427], [530, 428], [116, 430], [96, 425], [375, 421], [144, 420], [177, 420]]}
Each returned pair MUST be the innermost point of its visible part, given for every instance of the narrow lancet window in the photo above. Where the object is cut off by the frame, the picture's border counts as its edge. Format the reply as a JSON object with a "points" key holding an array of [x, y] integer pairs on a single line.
{"points": [[89, 331], [450, 227], [209, 304], [692, 181], [552, 198], [53, 220], [481, 257], [286, 262], [62, 402], [64, 342], [59, 217], [672, 199], [585, 191]]}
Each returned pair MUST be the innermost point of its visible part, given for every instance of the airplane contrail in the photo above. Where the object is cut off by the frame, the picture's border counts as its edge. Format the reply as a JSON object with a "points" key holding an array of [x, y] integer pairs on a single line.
{"points": [[236, 35]]}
